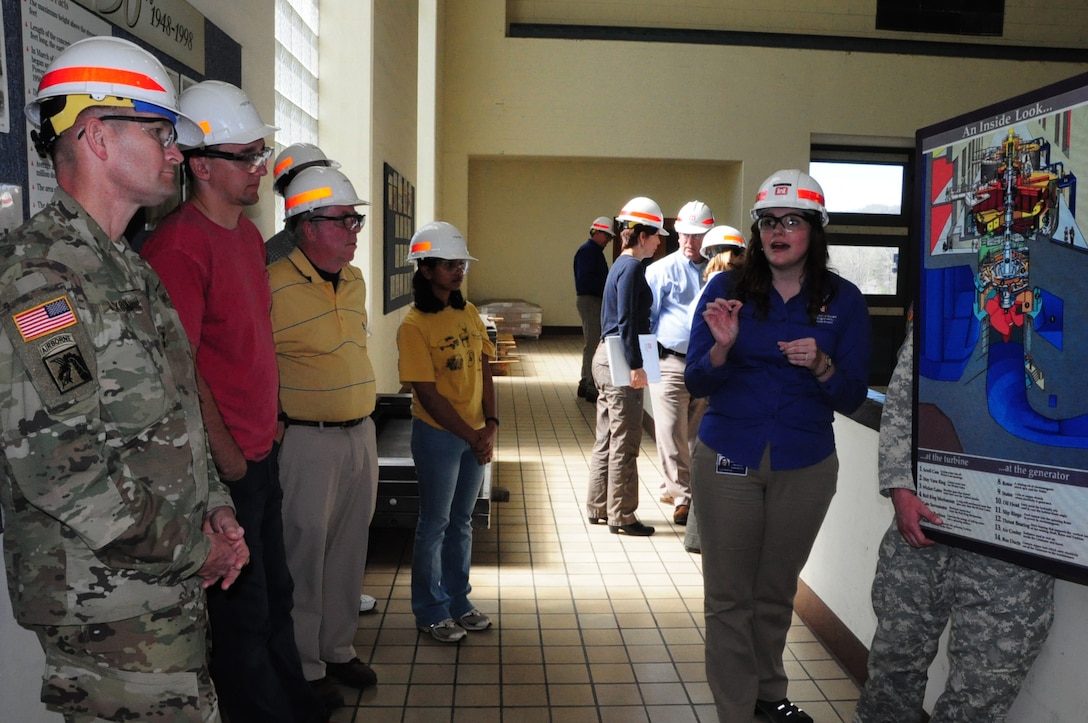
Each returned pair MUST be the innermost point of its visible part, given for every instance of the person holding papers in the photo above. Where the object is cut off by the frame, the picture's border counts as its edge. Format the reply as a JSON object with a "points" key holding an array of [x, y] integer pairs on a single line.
{"points": [[778, 347], [612, 493]]}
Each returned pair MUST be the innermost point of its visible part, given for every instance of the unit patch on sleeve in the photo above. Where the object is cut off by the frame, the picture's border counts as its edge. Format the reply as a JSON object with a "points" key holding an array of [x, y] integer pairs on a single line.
{"points": [[65, 362], [45, 318]]}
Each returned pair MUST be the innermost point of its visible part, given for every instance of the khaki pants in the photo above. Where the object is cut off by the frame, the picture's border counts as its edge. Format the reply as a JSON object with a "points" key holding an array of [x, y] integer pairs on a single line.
{"points": [[613, 468], [676, 426], [589, 310], [757, 530]]}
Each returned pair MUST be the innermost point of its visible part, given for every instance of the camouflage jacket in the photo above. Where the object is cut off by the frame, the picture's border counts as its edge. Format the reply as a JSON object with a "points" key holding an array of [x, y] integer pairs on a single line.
{"points": [[895, 422], [105, 477]]}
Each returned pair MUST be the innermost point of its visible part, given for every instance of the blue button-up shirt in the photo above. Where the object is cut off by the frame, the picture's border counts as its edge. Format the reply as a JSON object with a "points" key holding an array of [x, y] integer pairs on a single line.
{"points": [[757, 398], [676, 282]]}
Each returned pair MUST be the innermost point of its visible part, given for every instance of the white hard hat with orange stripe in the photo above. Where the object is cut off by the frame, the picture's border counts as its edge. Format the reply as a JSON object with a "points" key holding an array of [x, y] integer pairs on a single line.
{"points": [[791, 188], [438, 240], [225, 113], [645, 211], [721, 238], [695, 218], [601, 223], [293, 159], [104, 71], [319, 187]]}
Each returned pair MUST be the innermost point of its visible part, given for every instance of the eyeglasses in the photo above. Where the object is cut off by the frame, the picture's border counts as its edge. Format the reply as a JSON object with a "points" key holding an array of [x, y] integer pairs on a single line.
{"points": [[790, 223], [163, 131], [454, 264], [253, 159], [351, 222]]}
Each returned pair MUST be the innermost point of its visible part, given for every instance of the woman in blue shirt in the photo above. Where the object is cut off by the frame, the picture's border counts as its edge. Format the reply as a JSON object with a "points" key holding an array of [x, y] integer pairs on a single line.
{"points": [[612, 493], [778, 347]]}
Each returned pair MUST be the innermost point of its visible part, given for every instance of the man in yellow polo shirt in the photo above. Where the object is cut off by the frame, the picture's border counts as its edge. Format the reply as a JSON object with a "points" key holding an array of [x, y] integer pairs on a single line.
{"points": [[328, 455]]}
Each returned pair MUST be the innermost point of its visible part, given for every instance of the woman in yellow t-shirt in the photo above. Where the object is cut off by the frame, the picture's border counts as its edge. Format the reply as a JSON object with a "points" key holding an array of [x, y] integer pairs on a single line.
{"points": [[444, 351]]}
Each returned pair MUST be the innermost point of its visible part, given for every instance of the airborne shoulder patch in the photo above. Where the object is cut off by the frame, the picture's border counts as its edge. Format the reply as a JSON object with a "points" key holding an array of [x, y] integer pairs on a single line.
{"points": [[45, 318], [65, 362]]}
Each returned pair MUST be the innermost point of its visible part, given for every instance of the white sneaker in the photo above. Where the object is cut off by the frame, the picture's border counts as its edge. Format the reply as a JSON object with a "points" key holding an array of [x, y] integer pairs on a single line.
{"points": [[474, 620], [366, 603], [446, 631]]}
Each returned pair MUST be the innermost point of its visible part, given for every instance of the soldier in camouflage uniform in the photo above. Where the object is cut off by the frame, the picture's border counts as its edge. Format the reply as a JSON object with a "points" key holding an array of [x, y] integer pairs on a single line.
{"points": [[116, 520], [1000, 613]]}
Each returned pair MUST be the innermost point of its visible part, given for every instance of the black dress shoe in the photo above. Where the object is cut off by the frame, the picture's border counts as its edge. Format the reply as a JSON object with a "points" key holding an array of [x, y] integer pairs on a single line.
{"points": [[636, 529], [782, 711], [596, 520], [355, 673]]}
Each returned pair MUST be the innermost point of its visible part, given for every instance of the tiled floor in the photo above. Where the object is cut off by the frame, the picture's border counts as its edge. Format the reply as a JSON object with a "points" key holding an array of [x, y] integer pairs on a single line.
{"points": [[589, 626]]}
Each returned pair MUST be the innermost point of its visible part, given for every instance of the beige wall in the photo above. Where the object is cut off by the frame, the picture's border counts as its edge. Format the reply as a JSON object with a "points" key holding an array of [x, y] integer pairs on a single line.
{"points": [[505, 212], [661, 104], [1054, 24]]}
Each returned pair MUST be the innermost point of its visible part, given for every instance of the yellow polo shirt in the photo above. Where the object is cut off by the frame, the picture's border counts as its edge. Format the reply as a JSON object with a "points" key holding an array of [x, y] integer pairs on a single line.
{"points": [[320, 336]]}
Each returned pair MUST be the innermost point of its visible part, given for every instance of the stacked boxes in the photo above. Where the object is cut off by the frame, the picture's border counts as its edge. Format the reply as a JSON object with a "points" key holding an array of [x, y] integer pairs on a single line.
{"points": [[515, 317]]}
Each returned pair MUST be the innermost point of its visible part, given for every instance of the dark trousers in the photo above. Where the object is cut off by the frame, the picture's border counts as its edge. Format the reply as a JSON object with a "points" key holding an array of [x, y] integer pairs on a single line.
{"points": [[254, 662]]}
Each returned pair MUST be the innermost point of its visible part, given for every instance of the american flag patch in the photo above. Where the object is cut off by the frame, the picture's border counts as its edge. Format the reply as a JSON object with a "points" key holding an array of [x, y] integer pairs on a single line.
{"points": [[45, 318]]}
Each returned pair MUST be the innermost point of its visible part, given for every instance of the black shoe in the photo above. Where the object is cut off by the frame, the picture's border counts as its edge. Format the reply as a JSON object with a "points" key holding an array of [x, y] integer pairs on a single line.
{"points": [[596, 520], [355, 673], [330, 697], [693, 550], [591, 396], [635, 529], [582, 389], [782, 711]]}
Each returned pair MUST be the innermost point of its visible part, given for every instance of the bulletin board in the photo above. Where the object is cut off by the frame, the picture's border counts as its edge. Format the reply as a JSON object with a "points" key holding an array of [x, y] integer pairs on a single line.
{"points": [[1001, 403], [400, 223], [35, 31]]}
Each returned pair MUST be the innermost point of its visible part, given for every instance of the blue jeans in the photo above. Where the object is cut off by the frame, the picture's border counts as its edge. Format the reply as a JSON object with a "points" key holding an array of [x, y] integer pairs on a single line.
{"points": [[449, 483]]}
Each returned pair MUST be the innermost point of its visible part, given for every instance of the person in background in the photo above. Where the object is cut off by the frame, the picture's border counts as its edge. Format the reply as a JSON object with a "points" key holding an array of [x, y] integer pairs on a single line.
{"points": [[1000, 612], [778, 347], [444, 356], [115, 518], [590, 272], [676, 281], [612, 493], [723, 248], [211, 260], [328, 454], [291, 160]]}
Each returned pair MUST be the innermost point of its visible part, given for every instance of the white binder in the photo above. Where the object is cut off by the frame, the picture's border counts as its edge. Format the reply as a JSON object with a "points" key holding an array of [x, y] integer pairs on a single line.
{"points": [[617, 362]]}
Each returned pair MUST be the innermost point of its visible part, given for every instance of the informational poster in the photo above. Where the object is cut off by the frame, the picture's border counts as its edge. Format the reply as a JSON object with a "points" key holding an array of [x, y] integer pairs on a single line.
{"points": [[1001, 404], [49, 26]]}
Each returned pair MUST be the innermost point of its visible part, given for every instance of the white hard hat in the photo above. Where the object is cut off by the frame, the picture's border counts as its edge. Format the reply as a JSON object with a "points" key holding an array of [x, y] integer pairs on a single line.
{"points": [[601, 223], [438, 240], [224, 112], [719, 238], [645, 211], [104, 71], [293, 159], [319, 187], [791, 188], [694, 218]]}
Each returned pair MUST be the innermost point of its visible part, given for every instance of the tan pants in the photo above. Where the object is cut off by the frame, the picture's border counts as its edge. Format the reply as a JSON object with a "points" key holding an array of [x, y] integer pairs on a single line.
{"points": [[757, 529], [613, 468], [676, 426]]}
